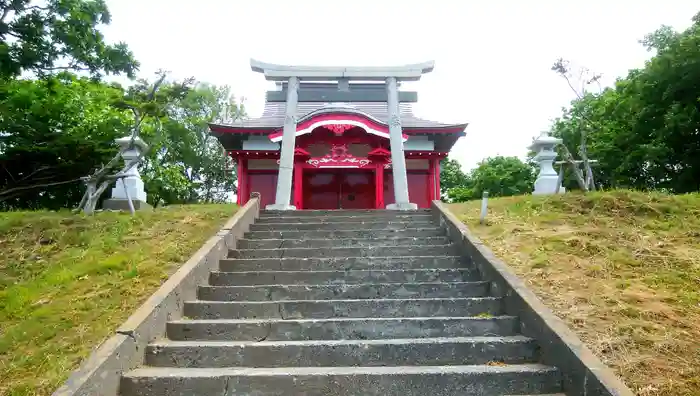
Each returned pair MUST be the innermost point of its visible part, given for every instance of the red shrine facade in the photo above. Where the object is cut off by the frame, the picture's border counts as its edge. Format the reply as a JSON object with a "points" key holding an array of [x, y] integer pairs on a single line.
{"points": [[342, 157]]}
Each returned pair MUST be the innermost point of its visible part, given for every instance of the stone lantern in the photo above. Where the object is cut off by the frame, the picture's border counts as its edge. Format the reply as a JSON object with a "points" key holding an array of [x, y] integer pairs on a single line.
{"points": [[547, 179], [132, 183]]}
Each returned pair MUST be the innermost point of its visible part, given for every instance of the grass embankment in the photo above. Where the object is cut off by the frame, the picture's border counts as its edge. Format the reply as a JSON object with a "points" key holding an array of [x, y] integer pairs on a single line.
{"points": [[621, 268], [67, 281]]}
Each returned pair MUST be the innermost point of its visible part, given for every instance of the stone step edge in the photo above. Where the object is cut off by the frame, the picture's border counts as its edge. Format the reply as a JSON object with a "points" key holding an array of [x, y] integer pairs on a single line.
{"points": [[480, 369], [387, 222], [340, 320], [341, 212], [515, 339], [339, 240], [434, 228], [446, 246], [346, 285], [487, 298], [355, 216], [393, 258], [368, 271]]}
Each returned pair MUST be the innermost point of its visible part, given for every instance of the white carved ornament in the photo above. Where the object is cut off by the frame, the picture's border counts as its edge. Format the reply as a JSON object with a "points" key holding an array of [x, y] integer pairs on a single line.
{"points": [[339, 156]]}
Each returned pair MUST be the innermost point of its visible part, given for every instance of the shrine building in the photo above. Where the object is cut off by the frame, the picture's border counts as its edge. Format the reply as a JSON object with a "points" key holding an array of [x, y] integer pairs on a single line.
{"points": [[339, 138]]}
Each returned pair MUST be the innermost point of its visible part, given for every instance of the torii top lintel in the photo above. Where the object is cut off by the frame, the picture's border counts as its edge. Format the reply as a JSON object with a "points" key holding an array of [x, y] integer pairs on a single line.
{"points": [[274, 72]]}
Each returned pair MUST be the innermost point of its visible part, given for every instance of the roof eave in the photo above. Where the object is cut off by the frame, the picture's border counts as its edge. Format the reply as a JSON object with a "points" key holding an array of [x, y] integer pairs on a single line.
{"points": [[274, 72]]}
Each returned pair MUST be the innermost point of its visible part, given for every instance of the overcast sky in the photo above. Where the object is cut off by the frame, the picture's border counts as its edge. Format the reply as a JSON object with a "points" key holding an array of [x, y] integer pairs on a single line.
{"points": [[492, 58]]}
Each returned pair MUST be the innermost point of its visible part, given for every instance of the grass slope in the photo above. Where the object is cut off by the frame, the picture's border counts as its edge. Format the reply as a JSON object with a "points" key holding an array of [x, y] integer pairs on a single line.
{"points": [[67, 281], [621, 268]]}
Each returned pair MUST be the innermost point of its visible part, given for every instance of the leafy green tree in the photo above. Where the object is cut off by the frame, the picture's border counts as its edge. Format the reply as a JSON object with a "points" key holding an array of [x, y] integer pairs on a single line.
{"points": [[186, 145], [451, 175], [44, 37], [60, 128], [644, 130], [500, 176], [54, 131]]}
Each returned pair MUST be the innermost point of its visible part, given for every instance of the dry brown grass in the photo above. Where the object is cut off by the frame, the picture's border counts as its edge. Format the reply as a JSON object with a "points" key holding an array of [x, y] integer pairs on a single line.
{"points": [[67, 281], [621, 268]]}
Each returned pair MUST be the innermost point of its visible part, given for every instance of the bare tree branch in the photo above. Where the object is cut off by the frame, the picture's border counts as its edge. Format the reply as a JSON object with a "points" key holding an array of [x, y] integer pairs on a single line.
{"points": [[11, 191], [40, 169]]}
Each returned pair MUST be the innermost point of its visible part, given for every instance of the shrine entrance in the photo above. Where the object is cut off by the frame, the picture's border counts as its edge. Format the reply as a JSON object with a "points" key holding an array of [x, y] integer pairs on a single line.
{"points": [[339, 189]]}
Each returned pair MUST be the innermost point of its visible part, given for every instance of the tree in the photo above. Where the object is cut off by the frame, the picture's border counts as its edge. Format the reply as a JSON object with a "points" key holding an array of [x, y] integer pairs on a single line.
{"points": [[143, 106], [54, 131], [451, 175], [585, 79], [189, 165], [500, 176], [58, 35], [646, 133], [61, 128]]}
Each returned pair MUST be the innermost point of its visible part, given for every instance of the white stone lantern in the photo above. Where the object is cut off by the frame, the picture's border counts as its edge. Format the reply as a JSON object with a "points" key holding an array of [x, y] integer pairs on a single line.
{"points": [[548, 178], [133, 182]]}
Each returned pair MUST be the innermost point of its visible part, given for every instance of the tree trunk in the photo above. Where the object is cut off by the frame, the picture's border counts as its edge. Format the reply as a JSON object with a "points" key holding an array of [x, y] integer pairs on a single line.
{"points": [[577, 171]]}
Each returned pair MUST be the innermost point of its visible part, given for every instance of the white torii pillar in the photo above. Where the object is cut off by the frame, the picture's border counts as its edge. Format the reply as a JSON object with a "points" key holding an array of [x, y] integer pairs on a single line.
{"points": [[398, 158], [286, 170]]}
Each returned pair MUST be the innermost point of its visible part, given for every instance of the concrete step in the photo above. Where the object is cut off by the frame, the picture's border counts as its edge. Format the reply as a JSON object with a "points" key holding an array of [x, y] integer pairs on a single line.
{"points": [[426, 232], [339, 328], [250, 278], [396, 352], [345, 292], [485, 380], [342, 213], [323, 309], [333, 242], [342, 263], [345, 218], [376, 251], [369, 225]]}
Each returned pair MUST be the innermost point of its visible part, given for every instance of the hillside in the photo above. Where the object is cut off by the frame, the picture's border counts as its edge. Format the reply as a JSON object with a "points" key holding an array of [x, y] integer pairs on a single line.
{"points": [[67, 281], [622, 268]]}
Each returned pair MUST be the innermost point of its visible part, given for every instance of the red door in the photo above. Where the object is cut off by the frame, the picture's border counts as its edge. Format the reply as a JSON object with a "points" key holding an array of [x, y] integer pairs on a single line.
{"points": [[357, 190], [321, 190], [338, 189]]}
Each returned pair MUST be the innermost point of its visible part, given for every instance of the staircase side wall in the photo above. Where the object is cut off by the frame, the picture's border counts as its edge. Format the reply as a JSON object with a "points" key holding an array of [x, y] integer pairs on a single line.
{"points": [[100, 373], [584, 374]]}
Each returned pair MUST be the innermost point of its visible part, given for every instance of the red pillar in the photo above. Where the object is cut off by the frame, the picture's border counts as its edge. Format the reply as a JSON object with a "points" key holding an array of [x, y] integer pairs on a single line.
{"points": [[379, 186], [241, 198], [431, 179], [298, 175], [436, 169]]}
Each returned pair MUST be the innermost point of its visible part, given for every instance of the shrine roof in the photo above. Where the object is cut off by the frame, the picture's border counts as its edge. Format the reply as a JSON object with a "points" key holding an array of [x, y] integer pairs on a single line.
{"points": [[274, 113]]}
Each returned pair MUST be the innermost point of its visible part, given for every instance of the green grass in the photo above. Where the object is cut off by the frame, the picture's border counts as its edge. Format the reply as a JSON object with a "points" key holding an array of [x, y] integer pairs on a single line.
{"points": [[621, 268], [67, 281]]}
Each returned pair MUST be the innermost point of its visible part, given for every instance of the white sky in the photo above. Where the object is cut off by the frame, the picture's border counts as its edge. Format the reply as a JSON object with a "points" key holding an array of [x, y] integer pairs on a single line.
{"points": [[492, 57]]}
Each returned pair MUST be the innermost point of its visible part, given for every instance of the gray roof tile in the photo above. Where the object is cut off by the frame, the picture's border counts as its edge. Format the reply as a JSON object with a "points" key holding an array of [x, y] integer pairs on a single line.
{"points": [[273, 114]]}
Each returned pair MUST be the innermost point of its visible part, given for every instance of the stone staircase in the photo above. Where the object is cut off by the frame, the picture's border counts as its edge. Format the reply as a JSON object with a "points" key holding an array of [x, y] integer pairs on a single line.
{"points": [[343, 303]]}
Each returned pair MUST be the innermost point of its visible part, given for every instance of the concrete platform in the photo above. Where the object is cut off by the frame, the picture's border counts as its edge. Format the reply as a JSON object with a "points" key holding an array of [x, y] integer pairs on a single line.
{"points": [[123, 205]]}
